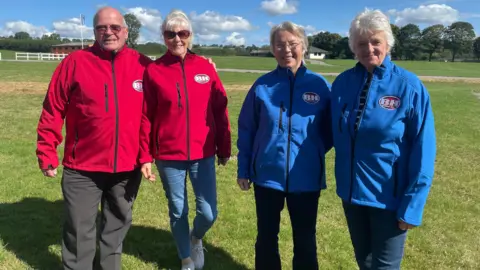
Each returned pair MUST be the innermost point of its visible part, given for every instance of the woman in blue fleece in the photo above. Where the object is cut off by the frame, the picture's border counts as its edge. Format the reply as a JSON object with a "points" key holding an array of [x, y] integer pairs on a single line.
{"points": [[284, 132], [385, 145]]}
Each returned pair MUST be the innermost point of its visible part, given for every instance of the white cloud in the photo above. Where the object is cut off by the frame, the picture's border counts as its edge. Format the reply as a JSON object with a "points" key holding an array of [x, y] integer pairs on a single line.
{"points": [[425, 14], [71, 28], [279, 7], [211, 21], [149, 18], [235, 39], [270, 24], [11, 28]]}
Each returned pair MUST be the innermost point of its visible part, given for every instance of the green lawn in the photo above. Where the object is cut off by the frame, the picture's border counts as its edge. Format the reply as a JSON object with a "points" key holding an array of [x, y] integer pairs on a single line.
{"points": [[31, 205], [423, 68]]}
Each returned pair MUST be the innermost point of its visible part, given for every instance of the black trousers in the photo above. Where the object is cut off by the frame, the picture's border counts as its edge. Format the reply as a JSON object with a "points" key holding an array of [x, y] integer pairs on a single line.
{"points": [[302, 208], [83, 192]]}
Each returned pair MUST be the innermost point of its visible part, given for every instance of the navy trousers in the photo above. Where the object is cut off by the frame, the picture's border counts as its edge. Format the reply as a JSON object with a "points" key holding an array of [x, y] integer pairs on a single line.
{"points": [[302, 208]]}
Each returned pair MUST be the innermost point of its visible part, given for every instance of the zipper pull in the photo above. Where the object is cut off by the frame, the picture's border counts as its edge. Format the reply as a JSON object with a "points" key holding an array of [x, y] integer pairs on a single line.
{"points": [[179, 95]]}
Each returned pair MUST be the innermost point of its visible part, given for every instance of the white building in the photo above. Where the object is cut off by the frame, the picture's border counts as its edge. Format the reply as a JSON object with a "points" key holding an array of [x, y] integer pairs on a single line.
{"points": [[316, 53]]}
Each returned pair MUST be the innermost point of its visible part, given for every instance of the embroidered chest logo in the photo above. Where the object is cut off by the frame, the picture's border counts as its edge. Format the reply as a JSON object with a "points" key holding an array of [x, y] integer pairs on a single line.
{"points": [[138, 85], [202, 78], [310, 97], [389, 102]]}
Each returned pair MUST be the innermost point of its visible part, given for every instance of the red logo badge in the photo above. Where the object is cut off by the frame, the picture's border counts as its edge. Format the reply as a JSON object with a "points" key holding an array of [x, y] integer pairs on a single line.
{"points": [[389, 102]]}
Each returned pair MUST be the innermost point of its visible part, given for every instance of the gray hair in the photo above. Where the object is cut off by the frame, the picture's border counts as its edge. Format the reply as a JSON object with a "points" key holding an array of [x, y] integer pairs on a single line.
{"points": [[95, 17], [177, 18], [370, 20], [291, 27]]}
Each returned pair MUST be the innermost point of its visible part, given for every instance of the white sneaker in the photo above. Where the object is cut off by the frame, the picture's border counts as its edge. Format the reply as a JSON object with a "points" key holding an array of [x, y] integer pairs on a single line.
{"points": [[196, 253], [189, 266]]}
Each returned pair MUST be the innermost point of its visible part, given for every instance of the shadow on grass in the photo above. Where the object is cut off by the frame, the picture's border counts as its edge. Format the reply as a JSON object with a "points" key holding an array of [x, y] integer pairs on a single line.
{"points": [[32, 229]]}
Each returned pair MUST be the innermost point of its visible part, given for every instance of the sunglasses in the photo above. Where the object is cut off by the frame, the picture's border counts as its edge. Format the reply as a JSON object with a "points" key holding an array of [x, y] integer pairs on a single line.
{"points": [[184, 34], [104, 28]]}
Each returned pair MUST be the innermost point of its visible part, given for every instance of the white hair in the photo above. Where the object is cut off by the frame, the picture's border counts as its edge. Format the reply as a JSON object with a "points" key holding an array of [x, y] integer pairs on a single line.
{"points": [[370, 20], [291, 27], [177, 18]]}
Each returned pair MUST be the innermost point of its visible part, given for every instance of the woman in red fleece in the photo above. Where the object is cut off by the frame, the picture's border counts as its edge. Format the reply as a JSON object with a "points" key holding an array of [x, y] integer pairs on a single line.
{"points": [[185, 124]]}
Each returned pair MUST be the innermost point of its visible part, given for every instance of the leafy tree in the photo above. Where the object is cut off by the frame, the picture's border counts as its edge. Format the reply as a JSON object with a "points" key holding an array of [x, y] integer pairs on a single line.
{"points": [[432, 39], [409, 37], [476, 48], [396, 50], [327, 41], [134, 26], [459, 37], [22, 35]]}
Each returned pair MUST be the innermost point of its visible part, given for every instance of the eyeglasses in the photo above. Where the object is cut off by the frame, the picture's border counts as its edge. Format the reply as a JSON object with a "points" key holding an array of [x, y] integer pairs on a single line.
{"points": [[104, 28], [184, 34], [281, 47]]}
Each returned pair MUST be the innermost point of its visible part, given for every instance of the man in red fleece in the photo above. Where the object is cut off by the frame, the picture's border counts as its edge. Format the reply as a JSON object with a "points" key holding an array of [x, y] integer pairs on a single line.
{"points": [[98, 93]]}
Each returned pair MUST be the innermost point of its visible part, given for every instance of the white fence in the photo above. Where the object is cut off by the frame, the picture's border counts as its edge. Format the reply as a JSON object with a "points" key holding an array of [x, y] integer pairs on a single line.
{"points": [[0, 56], [21, 56], [39, 56]]}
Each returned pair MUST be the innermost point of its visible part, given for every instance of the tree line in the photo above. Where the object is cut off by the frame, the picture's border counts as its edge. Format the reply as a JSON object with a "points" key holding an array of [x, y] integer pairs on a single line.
{"points": [[434, 42]]}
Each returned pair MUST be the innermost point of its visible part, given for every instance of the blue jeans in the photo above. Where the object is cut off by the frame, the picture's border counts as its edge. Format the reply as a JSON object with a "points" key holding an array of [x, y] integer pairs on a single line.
{"points": [[174, 177], [377, 241]]}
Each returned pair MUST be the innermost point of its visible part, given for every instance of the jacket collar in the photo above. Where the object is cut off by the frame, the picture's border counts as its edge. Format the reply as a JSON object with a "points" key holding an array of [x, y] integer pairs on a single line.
{"points": [[381, 71], [98, 50], [175, 58], [284, 71]]}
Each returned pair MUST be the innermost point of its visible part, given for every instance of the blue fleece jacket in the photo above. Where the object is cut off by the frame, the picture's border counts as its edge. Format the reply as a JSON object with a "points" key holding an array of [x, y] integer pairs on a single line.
{"points": [[388, 162], [284, 131]]}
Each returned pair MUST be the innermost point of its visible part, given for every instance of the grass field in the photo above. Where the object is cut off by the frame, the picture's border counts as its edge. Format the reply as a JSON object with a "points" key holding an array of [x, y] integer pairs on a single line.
{"points": [[31, 205], [456, 69]]}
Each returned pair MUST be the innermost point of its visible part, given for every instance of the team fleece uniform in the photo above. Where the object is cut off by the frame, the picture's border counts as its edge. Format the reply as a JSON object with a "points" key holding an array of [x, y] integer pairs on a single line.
{"points": [[99, 96], [185, 115]]}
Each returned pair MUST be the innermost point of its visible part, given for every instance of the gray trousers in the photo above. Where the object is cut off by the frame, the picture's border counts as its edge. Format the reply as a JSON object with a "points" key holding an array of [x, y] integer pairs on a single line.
{"points": [[83, 192]]}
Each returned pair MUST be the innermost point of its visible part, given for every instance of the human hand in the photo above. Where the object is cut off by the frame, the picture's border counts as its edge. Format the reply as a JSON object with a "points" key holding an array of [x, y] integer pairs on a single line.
{"points": [[222, 161], [147, 172], [243, 183], [404, 226], [210, 60], [49, 172]]}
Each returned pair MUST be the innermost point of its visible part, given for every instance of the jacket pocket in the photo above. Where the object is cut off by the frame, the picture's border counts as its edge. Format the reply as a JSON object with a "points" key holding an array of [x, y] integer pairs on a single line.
{"points": [[75, 144], [280, 117], [106, 97], [179, 96], [395, 179]]}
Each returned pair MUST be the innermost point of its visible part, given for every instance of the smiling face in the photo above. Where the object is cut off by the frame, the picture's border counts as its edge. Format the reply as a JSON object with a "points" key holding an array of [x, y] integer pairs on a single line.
{"points": [[110, 31], [371, 48], [288, 50], [177, 40]]}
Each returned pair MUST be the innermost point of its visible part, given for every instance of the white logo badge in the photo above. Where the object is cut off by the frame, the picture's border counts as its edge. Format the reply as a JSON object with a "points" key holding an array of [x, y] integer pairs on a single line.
{"points": [[202, 78], [389, 102], [311, 97], [138, 85]]}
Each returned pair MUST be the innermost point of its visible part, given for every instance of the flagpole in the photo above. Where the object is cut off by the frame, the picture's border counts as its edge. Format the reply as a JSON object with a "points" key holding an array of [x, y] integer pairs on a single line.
{"points": [[81, 28]]}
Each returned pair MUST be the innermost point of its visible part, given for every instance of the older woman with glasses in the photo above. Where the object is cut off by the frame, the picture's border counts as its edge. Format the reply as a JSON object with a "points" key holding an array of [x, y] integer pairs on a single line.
{"points": [[284, 132], [185, 124]]}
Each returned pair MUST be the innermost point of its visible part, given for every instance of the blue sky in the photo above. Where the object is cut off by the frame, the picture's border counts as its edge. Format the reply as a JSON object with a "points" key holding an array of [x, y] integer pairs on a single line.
{"points": [[230, 22]]}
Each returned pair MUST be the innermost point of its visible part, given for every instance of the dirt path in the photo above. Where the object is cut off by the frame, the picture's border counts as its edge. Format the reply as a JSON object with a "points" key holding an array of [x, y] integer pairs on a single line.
{"points": [[23, 87], [423, 78]]}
